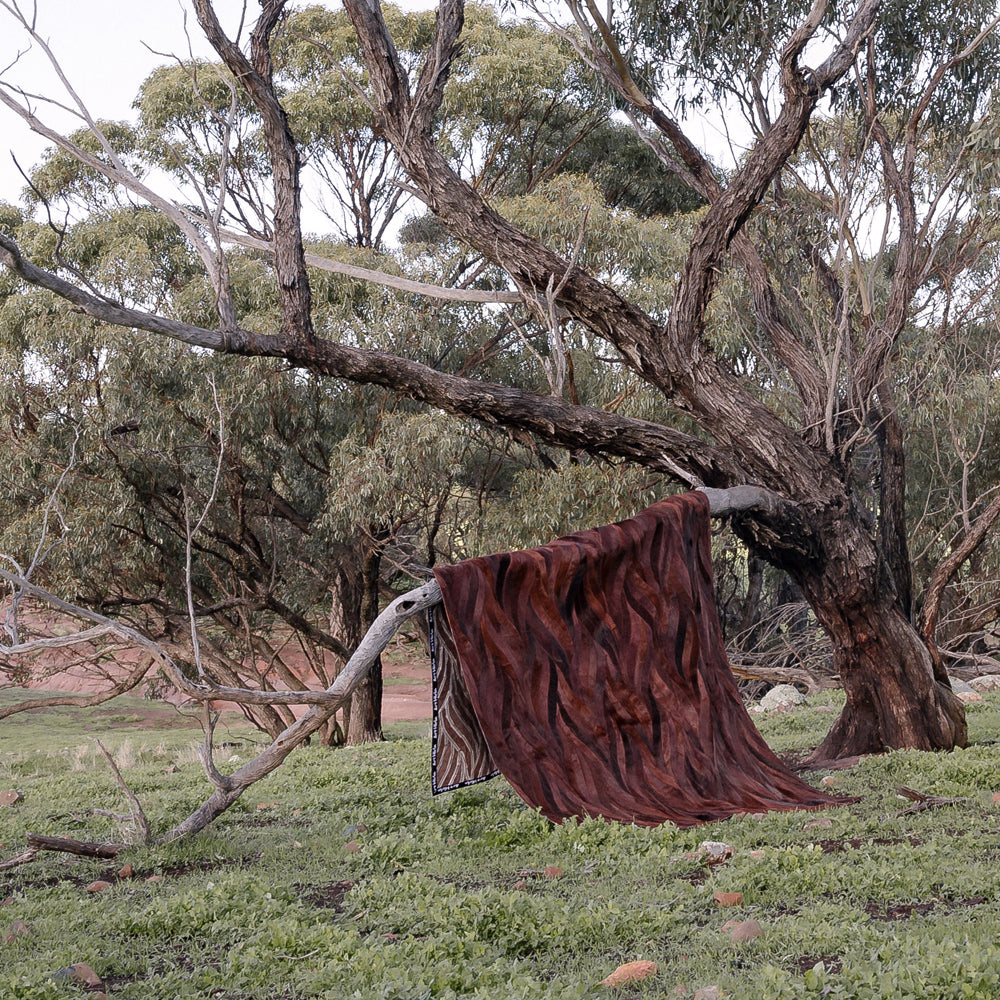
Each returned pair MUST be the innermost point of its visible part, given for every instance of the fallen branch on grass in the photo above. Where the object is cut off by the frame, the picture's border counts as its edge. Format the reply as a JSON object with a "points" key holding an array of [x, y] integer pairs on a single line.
{"points": [[924, 801]]}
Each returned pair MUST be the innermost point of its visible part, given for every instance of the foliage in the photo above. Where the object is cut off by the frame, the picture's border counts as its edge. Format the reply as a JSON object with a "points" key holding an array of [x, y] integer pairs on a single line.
{"points": [[446, 896]]}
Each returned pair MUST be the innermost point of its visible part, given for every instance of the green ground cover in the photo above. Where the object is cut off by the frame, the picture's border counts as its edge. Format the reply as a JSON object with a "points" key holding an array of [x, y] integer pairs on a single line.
{"points": [[340, 876]]}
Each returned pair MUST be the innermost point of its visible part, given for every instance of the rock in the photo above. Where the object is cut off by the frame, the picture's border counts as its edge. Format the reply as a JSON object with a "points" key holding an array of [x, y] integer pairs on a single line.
{"points": [[988, 682], [715, 852], [630, 972], [757, 854], [553, 871], [782, 694], [126, 871], [744, 930], [994, 798], [959, 686], [829, 781], [968, 696], [80, 973], [353, 846], [99, 886], [10, 797], [520, 884], [16, 930], [709, 993], [728, 898], [173, 769], [823, 823], [9, 901], [155, 878]]}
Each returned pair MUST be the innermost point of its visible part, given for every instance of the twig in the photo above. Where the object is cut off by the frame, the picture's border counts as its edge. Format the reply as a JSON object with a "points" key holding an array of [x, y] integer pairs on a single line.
{"points": [[19, 859], [137, 812]]}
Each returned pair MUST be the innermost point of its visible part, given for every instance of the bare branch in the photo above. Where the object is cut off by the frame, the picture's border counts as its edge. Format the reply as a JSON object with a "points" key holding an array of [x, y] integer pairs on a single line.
{"points": [[138, 815], [380, 277]]}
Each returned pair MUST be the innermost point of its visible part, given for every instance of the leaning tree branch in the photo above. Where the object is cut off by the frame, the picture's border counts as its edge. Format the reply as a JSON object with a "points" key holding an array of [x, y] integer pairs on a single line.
{"points": [[283, 152], [675, 361], [569, 425], [948, 567], [607, 60]]}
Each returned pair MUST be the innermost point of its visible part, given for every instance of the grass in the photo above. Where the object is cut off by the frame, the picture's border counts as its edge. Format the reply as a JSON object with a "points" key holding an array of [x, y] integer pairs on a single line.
{"points": [[446, 896]]}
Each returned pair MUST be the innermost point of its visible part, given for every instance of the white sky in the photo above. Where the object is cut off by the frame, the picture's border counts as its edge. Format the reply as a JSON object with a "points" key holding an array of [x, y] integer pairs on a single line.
{"points": [[102, 45]]}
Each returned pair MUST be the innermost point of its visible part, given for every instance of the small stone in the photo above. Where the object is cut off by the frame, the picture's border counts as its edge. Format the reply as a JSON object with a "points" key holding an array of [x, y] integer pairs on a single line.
{"points": [[9, 901], [99, 886], [988, 682], [829, 781], [520, 884], [353, 846], [80, 973], [390, 937], [728, 898], [630, 972], [782, 696], [994, 798], [10, 797], [968, 696], [553, 871], [823, 823], [362, 828], [17, 929], [744, 931], [715, 852], [155, 878], [126, 871], [708, 993], [173, 769]]}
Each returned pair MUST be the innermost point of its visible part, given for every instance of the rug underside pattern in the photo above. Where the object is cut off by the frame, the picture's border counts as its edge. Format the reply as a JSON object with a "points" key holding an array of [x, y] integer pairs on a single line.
{"points": [[593, 674]]}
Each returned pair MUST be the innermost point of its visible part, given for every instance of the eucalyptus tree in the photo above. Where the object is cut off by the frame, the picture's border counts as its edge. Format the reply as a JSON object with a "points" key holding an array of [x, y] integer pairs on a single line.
{"points": [[794, 407], [259, 502]]}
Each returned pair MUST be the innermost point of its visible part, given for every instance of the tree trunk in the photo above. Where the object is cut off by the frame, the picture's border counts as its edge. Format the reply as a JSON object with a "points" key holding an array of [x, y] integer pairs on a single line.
{"points": [[896, 698], [365, 724]]}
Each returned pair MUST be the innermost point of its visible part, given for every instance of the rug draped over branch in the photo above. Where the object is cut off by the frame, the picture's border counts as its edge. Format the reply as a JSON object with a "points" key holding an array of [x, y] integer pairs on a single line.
{"points": [[592, 673]]}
